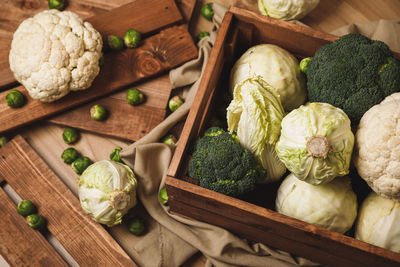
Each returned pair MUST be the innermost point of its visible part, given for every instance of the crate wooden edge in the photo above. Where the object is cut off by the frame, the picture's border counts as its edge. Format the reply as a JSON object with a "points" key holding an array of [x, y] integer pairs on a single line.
{"points": [[191, 128], [185, 197]]}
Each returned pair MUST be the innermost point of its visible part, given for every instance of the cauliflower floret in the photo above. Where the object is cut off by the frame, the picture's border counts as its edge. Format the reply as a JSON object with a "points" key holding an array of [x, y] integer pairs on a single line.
{"points": [[55, 52], [377, 149]]}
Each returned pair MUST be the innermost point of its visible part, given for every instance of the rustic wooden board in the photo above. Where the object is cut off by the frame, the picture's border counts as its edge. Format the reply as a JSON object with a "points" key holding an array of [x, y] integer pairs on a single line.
{"points": [[147, 16], [158, 53], [20, 245], [124, 121], [87, 241]]}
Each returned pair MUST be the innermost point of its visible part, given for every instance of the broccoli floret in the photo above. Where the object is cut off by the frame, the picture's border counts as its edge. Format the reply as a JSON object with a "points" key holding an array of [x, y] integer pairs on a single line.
{"points": [[353, 73], [221, 164]]}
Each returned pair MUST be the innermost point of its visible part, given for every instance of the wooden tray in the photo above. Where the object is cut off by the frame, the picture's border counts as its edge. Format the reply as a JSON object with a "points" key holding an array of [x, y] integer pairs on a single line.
{"points": [[257, 221]]}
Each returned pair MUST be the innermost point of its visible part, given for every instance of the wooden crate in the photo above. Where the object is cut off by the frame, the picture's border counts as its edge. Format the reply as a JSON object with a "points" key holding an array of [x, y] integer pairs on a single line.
{"points": [[257, 220]]}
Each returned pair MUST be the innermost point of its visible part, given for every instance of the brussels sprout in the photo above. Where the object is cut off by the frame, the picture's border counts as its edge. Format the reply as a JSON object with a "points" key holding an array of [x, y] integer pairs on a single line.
{"points": [[163, 196], [35, 221], [25, 208], [136, 226], [81, 164], [207, 11], [175, 102], [70, 135], [114, 156], [169, 139], [15, 99], [70, 155], [101, 60], [132, 38], [115, 43], [98, 112], [3, 141], [134, 96], [202, 35], [56, 4], [304, 63]]}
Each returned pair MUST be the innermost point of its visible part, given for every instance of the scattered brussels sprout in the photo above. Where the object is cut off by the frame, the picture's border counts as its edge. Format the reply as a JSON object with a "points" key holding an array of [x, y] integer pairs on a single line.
{"points": [[25, 208], [115, 43], [101, 60], [304, 63], [163, 196], [70, 155], [35, 221], [56, 4], [175, 102], [136, 226], [207, 11], [15, 99], [134, 96], [98, 112], [132, 38], [70, 135], [81, 164], [202, 35], [114, 156], [3, 141], [169, 139]]}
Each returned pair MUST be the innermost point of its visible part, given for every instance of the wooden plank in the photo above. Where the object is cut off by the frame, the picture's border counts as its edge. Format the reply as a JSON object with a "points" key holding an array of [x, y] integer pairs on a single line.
{"points": [[275, 229], [124, 121], [187, 8], [158, 53], [87, 241], [147, 16], [20, 245]]}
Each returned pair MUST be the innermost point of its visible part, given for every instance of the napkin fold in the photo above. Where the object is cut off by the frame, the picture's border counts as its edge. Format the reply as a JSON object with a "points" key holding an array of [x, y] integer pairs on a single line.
{"points": [[174, 239]]}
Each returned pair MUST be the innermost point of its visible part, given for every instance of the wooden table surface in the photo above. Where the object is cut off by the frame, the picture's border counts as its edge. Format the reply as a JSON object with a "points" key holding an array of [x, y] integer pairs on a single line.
{"points": [[46, 138]]}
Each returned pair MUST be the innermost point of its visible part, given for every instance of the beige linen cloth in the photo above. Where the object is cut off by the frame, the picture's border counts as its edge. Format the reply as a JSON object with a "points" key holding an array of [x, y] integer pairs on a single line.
{"points": [[174, 239]]}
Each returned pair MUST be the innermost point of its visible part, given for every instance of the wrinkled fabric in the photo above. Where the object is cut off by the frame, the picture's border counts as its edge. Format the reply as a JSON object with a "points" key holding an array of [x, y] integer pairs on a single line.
{"points": [[171, 240]]}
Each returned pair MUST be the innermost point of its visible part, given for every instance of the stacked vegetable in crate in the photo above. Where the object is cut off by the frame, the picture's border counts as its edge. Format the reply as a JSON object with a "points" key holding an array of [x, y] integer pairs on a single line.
{"points": [[345, 84]]}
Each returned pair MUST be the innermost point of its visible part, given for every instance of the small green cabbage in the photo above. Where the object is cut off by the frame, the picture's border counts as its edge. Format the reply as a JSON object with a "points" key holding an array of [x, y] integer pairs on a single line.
{"points": [[332, 206], [316, 143], [255, 113], [277, 67], [107, 190], [286, 9], [378, 222]]}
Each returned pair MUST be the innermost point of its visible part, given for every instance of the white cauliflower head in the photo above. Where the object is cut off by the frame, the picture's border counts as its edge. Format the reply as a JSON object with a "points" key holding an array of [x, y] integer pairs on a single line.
{"points": [[377, 148], [55, 52]]}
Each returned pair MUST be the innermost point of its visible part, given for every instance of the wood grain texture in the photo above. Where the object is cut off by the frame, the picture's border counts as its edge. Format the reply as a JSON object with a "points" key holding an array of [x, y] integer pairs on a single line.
{"points": [[124, 121], [157, 54], [240, 30], [146, 16], [21, 245], [87, 241], [274, 229]]}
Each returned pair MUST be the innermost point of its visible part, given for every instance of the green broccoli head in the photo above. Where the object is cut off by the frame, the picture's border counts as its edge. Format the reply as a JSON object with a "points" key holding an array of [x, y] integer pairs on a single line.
{"points": [[353, 73], [221, 164]]}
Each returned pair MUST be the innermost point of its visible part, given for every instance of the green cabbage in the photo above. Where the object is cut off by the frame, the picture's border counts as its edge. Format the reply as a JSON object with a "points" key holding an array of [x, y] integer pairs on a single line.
{"points": [[255, 113], [378, 222], [332, 206], [316, 143], [286, 9], [277, 67], [107, 190]]}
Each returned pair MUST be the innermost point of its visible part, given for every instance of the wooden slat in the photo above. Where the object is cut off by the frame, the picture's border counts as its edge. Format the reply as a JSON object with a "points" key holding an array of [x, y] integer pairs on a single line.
{"points": [[158, 53], [85, 240], [147, 16], [20, 245], [124, 121], [273, 228]]}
